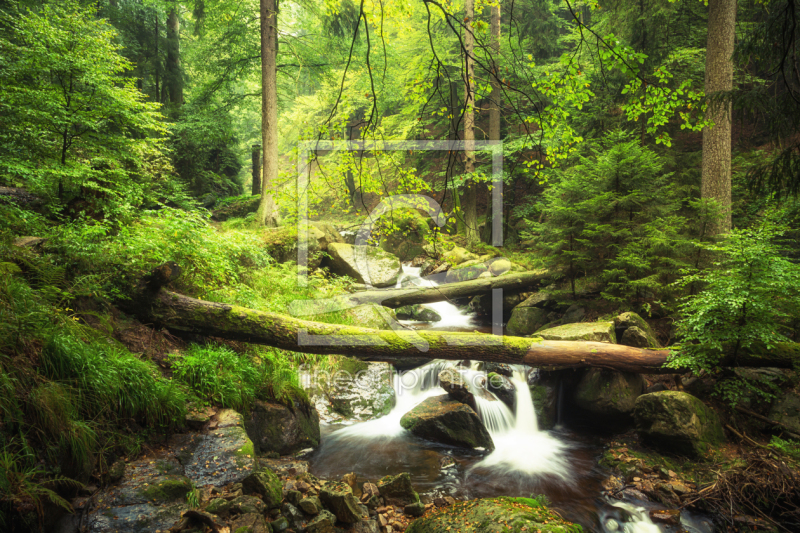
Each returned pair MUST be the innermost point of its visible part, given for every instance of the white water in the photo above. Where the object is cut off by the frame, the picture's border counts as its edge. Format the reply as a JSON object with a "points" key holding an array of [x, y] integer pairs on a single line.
{"points": [[452, 317], [638, 520], [519, 445]]}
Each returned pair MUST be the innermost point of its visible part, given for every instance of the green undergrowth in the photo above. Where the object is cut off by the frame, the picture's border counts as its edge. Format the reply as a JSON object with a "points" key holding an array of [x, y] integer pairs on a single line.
{"points": [[218, 375]]}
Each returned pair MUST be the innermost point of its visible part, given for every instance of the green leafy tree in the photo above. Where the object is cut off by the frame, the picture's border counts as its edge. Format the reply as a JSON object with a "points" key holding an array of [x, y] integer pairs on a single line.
{"points": [[70, 119], [748, 300]]}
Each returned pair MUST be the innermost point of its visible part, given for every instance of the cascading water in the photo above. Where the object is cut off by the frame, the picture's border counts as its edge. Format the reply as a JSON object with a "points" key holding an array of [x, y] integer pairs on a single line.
{"points": [[452, 316]]}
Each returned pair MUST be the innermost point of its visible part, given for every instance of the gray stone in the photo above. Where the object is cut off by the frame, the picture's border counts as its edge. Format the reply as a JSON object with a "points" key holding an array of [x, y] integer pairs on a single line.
{"points": [[499, 266], [397, 489], [365, 264], [786, 410], [311, 505], [275, 427], [582, 331], [323, 523], [338, 497], [638, 338], [440, 419], [526, 321], [677, 423], [465, 272], [608, 392], [573, 314]]}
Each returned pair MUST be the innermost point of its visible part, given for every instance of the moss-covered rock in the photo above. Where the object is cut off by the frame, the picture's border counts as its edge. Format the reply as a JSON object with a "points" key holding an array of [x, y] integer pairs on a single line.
{"points": [[440, 419], [609, 392], [526, 320], [458, 255], [167, 488], [323, 523], [247, 504], [677, 422], [544, 396], [283, 429], [266, 483], [786, 410], [364, 393], [466, 271], [493, 515], [338, 498], [379, 268], [311, 505], [218, 506], [417, 312], [581, 331], [250, 523], [397, 490]]}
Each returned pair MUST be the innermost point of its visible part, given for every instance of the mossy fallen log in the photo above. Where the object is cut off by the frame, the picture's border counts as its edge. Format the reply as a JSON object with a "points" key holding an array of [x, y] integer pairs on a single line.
{"points": [[181, 313], [395, 298]]}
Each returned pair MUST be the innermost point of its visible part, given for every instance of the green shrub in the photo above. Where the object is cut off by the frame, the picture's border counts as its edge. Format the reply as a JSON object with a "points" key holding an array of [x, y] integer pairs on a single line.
{"points": [[219, 375], [110, 381]]}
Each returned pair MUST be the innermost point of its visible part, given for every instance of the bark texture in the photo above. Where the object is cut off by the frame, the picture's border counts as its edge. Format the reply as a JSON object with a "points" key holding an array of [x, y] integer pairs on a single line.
{"points": [[716, 181], [267, 214], [256, 169], [174, 74], [495, 99], [469, 199]]}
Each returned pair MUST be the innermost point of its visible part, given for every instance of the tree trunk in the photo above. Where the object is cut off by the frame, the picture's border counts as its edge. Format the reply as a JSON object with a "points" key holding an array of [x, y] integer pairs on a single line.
{"points": [[267, 214], [256, 169], [469, 198], [174, 74], [181, 313], [422, 295], [716, 181], [494, 113]]}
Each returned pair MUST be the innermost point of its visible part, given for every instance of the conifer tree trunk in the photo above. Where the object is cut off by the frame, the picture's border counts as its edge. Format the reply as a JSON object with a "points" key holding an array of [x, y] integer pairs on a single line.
{"points": [[494, 109], [256, 169], [267, 212], [174, 74], [716, 181], [468, 201]]}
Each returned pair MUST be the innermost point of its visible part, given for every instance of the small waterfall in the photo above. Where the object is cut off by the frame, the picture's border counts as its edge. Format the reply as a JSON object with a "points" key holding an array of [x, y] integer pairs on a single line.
{"points": [[452, 316], [632, 519]]}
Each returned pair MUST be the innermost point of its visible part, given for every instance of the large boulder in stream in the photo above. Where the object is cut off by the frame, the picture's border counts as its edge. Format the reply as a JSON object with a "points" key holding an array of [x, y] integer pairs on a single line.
{"points": [[677, 423], [581, 331], [338, 498], [283, 429], [609, 393], [492, 515], [441, 419], [397, 490], [362, 393], [365, 264], [466, 271]]}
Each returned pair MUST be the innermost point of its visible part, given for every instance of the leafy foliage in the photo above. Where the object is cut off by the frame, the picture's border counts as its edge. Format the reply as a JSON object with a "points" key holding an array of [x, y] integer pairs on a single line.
{"points": [[747, 299]]}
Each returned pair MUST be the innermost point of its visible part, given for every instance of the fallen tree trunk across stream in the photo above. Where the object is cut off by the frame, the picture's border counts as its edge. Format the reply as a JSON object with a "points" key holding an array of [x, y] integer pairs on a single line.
{"points": [[182, 313], [424, 295]]}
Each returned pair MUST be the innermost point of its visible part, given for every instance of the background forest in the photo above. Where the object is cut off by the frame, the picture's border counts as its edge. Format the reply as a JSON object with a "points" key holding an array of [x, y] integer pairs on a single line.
{"points": [[650, 163]]}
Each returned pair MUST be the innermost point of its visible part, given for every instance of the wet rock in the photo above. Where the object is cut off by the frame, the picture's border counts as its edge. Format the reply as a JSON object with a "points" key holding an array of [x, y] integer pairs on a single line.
{"points": [[293, 496], [275, 427], [397, 490], [502, 387], [379, 268], [583, 331], [677, 422], [370, 489], [498, 368], [311, 505], [338, 498], [247, 504], [544, 395], [495, 515], [279, 524], [452, 381], [417, 312], [364, 394], [786, 410], [526, 321], [223, 455], [219, 506], [366, 526], [139, 518], [609, 393], [291, 512], [414, 509], [323, 523], [266, 483], [440, 419]]}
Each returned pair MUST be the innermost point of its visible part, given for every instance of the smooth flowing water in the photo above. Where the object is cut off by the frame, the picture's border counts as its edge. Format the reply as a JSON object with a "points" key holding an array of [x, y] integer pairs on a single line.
{"points": [[525, 461]]}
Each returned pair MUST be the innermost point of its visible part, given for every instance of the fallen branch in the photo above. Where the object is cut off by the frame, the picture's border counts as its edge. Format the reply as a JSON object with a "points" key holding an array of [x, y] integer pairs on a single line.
{"points": [[775, 423]]}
